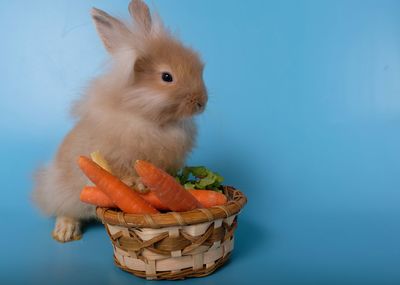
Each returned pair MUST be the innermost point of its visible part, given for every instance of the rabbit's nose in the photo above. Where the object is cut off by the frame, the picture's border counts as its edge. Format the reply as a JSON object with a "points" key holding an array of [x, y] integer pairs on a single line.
{"points": [[201, 103], [198, 101]]}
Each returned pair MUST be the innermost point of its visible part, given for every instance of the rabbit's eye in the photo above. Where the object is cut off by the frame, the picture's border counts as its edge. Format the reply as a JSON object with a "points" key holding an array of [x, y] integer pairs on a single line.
{"points": [[167, 77]]}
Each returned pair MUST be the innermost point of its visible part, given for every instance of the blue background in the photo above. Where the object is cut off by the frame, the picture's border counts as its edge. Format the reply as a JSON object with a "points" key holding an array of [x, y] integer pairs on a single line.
{"points": [[304, 117]]}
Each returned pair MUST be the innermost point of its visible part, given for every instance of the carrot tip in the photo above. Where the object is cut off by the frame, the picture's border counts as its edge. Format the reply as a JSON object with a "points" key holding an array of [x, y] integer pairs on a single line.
{"points": [[79, 159]]}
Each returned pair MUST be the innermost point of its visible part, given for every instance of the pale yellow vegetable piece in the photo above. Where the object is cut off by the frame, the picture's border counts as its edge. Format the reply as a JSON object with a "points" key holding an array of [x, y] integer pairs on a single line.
{"points": [[100, 160]]}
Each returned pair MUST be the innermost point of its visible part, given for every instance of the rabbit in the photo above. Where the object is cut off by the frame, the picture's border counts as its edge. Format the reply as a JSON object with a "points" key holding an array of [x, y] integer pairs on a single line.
{"points": [[142, 107]]}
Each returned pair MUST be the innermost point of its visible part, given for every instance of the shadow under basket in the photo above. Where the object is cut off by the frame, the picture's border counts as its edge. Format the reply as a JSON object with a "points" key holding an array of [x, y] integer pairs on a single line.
{"points": [[174, 245]]}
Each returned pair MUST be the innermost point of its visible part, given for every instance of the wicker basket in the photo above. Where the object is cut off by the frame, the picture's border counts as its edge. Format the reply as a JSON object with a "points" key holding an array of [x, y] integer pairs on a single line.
{"points": [[174, 245]]}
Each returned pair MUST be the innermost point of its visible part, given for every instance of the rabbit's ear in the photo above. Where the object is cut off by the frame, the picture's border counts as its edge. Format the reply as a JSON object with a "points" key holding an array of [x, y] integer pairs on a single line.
{"points": [[112, 32], [141, 14]]}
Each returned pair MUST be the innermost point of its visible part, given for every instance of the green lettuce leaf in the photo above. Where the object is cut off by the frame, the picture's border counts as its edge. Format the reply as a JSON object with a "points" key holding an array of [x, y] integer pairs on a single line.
{"points": [[199, 177]]}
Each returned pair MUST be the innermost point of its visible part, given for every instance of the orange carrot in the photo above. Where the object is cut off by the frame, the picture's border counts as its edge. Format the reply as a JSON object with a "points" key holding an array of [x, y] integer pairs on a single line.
{"points": [[152, 198], [208, 198], [167, 189], [119, 193], [93, 195]]}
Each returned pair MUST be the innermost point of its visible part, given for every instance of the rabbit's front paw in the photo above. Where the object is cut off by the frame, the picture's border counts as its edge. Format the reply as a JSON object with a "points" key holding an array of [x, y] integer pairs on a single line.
{"points": [[140, 186], [135, 183], [67, 229]]}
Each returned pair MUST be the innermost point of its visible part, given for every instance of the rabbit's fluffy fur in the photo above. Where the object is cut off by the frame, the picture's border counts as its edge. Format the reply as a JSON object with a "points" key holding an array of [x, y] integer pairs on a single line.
{"points": [[128, 113]]}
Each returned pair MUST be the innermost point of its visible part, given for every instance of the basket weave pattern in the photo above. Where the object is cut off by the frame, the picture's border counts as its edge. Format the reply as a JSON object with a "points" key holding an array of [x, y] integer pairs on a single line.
{"points": [[174, 245]]}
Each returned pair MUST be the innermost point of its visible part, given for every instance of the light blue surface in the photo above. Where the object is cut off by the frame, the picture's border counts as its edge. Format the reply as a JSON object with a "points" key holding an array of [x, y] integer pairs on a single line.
{"points": [[304, 117]]}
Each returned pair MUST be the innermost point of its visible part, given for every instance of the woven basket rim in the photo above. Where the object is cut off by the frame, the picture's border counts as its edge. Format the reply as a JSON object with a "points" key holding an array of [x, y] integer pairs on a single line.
{"points": [[236, 201]]}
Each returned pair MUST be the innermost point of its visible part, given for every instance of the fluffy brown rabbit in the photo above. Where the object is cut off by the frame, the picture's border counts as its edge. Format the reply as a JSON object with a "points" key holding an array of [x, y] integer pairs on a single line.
{"points": [[141, 108]]}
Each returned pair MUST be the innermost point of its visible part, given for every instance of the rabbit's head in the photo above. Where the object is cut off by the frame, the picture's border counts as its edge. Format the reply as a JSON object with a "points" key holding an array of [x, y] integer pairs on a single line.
{"points": [[154, 75]]}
